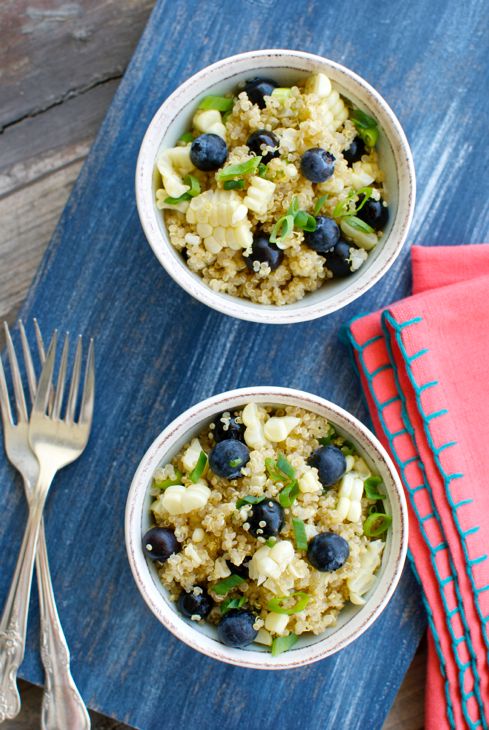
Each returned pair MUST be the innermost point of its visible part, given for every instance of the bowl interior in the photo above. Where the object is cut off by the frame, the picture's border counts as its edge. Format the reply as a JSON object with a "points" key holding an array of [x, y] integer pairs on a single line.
{"points": [[169, 126], [351, 614]]}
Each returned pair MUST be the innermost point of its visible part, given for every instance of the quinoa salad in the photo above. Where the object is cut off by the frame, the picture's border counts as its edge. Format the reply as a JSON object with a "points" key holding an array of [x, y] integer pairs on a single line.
{"points": [[273, 190], [266, 525]]}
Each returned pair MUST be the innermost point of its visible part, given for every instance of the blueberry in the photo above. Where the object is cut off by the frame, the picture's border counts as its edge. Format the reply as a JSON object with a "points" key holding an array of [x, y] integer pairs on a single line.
{"points": [[228, 429], [271, 513], [262, 137], [317, 165], [338, 259], [236, 628], [330, 463], [159, 543], [374, 212], [228, 457], [191, 604], [241, 570], [208, 152], [328, 551], [256, 90], [354, 151], [264, 252], [326, 235]]}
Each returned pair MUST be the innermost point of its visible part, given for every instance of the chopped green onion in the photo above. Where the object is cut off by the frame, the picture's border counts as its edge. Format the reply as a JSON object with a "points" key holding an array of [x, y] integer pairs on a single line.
{"points": [[194, 185], [377, 507], [299, 533], [358, 225], [283, 643], [276, 604], [230, 603], [187, 137], [285, 466], [288, 494], [282, 229], [319, 203], [221, 103], [281, 93], [279, 469], [366, 192], [366, 127], [347, 448], [235, 462], [177, 201], [165, 483], [224, 586], [294, 206], [249, 499], [262, 169], [376, 524], [371, 492], [305, 221], [270, 542], [342, 207], [369, 136], [326, 440], [197, 472], [243, 168], [233, 184]]}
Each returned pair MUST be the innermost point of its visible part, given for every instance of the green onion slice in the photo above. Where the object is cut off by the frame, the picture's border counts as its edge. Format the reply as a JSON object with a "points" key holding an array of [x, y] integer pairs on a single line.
{"points": [[165, 483], [194, 185], [305, 221], [224, 586], [282, 229], [262, 169], [326, 440], [233, 184], [230, 603], [358, 224], [198, 470], [319, 203], [343, 207], [279, 469], [221, 103], [249, 499], [285, 466], [347, 448], [288, 494], [281, 93], [270, 542], [294, 206], [376, 524], [371, 492], [276, 604], [299, 533], [187, 137], [283, 643], [243, 168], [366, 127], [177, 201]]}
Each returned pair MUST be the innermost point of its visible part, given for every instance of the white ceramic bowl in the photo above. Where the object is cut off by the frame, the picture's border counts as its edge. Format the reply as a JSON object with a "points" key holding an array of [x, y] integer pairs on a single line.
{"points": [[287, 67], [353, 620]]}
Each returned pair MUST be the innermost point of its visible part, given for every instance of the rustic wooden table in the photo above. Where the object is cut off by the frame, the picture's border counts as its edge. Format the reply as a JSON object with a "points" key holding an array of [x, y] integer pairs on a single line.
{"points": [[60, 64]]}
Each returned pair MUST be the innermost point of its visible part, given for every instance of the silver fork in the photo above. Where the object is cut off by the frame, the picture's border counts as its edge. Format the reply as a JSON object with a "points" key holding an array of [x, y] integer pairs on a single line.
{"points": [[62, 704]]}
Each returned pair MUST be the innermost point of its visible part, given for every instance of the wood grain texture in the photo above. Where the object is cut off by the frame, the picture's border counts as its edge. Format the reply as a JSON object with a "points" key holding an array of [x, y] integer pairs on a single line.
{"points": [[98, 257]]}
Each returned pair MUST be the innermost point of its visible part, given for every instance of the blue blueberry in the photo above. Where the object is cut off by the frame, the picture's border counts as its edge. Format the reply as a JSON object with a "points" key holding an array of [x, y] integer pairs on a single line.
{"points": [[338, 259], [271, 513], [263, 137], [317, 165], [208, 152], [228, 457], [257, 89], [374, 212], [330, 463], [191, 604], [159, 543], [264, 252], [326, 235], [236, 628], [328, 551], [228, 429], [355, 151]]}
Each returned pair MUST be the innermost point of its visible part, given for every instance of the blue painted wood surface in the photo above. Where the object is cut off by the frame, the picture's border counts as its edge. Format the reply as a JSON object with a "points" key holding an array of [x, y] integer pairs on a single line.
{"points": [[158, 351]]}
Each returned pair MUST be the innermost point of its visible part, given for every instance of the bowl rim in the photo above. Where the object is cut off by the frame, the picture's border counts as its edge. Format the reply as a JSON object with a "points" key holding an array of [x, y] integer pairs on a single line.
{"points": [[146, 585], [235, 306]]}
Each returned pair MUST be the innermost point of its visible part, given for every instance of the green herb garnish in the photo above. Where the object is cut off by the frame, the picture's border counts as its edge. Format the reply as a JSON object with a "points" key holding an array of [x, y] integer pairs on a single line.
{"points": [[347, 448], [271, 542], [230, 603], [282, 229], [285, 466], [343, 207], [165, 483], [366, 127], [305, 221], [235, 462], [194, 190], [221, 103], [370, 485], [376, 524], [319, 203], [326, 440], [283, 643], [262, 169], [358, 225], [224, 586], [280, 470], [294, 217], [288, 494], [243, 168], [198, 470], [233, 184], [249, 499], [276, 604], [299, 533], [281, 93], [185, 138]]}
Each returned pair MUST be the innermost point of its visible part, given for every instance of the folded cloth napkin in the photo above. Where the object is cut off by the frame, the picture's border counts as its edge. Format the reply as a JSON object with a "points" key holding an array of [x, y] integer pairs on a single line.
{"points": [[423, 363]]}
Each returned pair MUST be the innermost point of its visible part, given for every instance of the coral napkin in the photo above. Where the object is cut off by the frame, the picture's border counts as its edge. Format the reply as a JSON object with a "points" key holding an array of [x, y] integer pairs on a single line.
{"points": [[423, 363]]}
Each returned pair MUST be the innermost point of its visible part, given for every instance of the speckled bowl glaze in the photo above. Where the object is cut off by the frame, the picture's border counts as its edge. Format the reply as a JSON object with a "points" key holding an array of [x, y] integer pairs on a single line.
{"points": [[353, 620], [174, 117]]}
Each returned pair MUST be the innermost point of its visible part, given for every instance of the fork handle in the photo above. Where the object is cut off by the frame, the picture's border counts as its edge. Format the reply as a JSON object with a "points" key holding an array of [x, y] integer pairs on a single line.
{"points": [[62, 705], [13, 623]]}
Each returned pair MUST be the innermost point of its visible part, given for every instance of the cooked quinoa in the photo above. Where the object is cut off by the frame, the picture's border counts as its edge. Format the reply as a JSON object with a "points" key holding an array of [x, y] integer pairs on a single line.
{"points": [[241, 197], [250, 545]]}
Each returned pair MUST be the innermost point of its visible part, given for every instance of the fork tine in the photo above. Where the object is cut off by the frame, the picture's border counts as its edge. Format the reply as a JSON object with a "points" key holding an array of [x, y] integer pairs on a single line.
{"points": [[16, 377], [60, 387], [4, 400], [44, 387], [86, 410], [29, 365], [75, 382], [40, 342]]}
